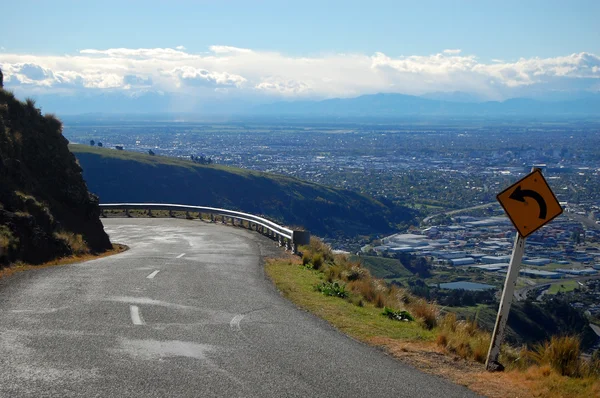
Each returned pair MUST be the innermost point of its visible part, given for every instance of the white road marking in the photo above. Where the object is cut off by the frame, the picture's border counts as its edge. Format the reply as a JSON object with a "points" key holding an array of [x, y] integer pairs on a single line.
{"points": [[152, 275], [136, 318], [181, 255], [234, 324]]}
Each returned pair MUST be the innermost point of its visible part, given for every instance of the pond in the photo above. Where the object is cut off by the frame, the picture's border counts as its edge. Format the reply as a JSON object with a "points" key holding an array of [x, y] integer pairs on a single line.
{"points": [[466, 286]]}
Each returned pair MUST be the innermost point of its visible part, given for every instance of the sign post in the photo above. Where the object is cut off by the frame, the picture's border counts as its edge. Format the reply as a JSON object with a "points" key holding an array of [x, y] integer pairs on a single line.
{"points": [[518, 203]]}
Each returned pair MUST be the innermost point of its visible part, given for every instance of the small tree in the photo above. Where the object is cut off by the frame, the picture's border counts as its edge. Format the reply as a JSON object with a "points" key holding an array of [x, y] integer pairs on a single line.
{"points": [[92, 143], [100, 144]]}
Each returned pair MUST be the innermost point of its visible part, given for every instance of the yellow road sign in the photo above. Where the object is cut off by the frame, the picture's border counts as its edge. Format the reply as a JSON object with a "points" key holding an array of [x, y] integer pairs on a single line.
{"points": [[530, 203]]}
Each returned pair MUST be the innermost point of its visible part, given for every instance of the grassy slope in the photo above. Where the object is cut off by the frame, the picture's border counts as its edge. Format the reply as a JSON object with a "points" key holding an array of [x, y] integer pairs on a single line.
{"points": [[118, 176], [384, 268], [417, 346], [297, 284]]}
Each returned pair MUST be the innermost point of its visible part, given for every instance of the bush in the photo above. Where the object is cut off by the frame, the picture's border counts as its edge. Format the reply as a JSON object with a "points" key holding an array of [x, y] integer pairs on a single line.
{"points": [[397, 315], [332, 289], [317, 261], [426, 313], [75, 242], [7, 241], [561, 353]]}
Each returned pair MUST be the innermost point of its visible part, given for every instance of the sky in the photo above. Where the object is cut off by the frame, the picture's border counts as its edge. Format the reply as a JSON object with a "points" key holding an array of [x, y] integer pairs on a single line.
{"points": [[270, 50]]}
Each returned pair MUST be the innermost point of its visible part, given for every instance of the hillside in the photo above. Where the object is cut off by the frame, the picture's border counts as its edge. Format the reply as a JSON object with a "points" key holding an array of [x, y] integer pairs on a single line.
{"points": [[46, 210], [118, 176]]}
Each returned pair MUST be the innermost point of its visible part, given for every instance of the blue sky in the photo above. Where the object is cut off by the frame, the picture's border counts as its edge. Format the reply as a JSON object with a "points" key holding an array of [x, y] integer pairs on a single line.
{"points": [[308, 49], [505, 29]]}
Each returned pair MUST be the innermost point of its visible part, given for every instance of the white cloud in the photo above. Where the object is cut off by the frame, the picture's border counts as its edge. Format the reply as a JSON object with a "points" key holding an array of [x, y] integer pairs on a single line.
{"points": [[228, 50], [201, 77], [247, 72], [452, 52], [283, 87]]}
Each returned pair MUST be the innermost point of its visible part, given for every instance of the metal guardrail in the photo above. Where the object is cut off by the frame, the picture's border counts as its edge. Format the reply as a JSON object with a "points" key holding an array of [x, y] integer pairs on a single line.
{"points": [[285, 236]]}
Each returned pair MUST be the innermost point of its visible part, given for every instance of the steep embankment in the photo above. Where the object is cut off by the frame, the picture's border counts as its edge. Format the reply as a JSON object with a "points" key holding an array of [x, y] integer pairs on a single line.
{"points": [[118, 176], [46, 210]]}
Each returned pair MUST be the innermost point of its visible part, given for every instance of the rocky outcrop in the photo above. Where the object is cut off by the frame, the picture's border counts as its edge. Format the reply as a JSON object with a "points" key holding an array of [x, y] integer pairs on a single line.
{"points": [[46, 210]]}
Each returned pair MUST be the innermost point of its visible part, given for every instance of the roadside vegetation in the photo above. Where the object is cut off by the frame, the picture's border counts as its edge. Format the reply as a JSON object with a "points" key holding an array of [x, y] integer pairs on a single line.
{"points": [[345, 294], [85, 255]]}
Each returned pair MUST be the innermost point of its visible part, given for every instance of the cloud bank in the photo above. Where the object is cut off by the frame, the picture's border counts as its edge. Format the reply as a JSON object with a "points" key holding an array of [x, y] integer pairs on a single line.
{"points": [[226, 70]]}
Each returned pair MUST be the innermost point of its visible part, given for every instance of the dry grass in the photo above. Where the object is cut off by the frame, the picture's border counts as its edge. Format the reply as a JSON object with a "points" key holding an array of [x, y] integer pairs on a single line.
{"points": [[20, 267], [455, 349], [75, 242], [463, 338]]}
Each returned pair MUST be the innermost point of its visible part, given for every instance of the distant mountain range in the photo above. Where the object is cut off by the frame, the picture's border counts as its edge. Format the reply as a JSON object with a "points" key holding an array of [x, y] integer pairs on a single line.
{"points": [[441, 104], [399, 105]]}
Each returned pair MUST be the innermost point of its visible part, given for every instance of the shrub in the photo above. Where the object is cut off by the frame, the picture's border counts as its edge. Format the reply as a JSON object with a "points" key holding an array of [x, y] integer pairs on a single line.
{"points": [[7, 240], [332, 289], [426, 313], [317, 261], [75, 242], [355, 272], [379, 300], [364, 287], [397, 315], [306, 258], [561, 353], [442, 339]]}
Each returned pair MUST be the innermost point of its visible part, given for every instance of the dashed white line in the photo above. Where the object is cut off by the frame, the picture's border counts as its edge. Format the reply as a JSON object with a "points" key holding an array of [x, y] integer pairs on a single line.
{"points": [[152, 275], [181, 255], [136, 317], [234, 324]]}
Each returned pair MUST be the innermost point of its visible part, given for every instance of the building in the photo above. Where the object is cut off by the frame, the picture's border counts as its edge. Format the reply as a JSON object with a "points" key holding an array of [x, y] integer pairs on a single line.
{"points": [[462, 261], [537, 261], [535, 273], [578, 272], [495, 259]]}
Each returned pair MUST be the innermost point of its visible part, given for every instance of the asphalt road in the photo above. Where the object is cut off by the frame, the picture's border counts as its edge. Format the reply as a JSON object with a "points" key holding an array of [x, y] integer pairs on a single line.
{"points": [[186, 312]]}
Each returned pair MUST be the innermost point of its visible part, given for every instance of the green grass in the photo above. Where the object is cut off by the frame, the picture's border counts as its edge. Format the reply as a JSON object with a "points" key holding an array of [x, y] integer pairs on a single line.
{"points": [[566, 286], [297, 283], [385, 268]]}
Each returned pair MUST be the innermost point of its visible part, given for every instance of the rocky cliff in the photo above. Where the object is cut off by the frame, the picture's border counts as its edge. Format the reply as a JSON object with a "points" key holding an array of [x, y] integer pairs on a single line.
{"points": [[46, 210]]}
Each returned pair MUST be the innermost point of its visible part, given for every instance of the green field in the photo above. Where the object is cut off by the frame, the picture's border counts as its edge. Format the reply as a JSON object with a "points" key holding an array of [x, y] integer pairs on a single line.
{"points": [[566, 286], [384, 268]]}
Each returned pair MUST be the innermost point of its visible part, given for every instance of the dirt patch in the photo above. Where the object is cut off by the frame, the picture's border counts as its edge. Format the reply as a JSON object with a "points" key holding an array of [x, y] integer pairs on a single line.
{"points": [[432, 359]]}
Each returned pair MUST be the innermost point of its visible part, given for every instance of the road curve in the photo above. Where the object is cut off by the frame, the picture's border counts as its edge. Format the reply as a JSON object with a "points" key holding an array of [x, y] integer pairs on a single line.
{"points": [[186, 312]]}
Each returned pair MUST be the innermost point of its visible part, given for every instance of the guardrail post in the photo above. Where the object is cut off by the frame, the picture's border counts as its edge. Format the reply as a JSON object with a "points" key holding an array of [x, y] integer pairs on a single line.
{"points": [[212, 217], [171, 213], [150, 213], [102, 213], [187, 215], [288, 244], [280, 240], [127, 213]]}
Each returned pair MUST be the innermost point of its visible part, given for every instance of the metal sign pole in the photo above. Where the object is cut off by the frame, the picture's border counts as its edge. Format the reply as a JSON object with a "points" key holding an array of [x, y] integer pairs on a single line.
{"points": [[507, 295]]}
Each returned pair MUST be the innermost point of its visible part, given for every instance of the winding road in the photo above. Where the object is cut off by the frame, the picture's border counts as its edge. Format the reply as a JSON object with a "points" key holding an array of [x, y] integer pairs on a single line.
{"points": [[186, 312]]}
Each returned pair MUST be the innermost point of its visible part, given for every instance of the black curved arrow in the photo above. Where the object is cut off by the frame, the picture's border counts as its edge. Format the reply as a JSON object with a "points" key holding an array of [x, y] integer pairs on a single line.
{"points": [[520, 195]]}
